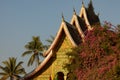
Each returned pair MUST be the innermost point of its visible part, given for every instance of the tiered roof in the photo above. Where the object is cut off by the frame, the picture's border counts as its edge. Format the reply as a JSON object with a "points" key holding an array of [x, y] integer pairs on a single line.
{"points": [[75, 31]]}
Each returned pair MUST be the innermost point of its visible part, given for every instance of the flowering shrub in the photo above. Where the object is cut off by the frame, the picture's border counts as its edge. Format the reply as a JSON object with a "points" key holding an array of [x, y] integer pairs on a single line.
{"points": [[98, 57]]}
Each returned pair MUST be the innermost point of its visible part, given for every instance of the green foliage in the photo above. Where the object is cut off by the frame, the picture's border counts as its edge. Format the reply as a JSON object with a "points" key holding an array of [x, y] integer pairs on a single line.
{"points": [[34, 44], [11, 69], [34, 48], [49, 41]]}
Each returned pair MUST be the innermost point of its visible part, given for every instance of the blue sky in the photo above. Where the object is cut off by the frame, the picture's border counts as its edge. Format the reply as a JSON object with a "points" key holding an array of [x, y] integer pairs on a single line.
{"points": [[22, 19]]}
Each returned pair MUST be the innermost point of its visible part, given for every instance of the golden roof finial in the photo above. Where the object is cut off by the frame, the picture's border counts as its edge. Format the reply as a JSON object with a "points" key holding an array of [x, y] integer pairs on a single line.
{"points": [[62, 17], [74, 11], [82, 3]]}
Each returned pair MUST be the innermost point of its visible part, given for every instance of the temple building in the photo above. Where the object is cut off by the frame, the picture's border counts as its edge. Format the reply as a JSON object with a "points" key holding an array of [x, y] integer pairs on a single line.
{"points": [[69, 35]]}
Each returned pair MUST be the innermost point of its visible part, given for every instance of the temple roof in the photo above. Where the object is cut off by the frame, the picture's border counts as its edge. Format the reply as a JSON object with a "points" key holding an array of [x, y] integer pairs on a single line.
{"points": [[70, 31], [75, 31], [79, 24], [65, 29]]}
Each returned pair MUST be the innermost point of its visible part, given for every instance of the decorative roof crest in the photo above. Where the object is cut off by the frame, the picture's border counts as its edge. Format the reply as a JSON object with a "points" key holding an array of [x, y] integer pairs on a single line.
{"points": [[74, 11], [63, 17], [83, 3]]}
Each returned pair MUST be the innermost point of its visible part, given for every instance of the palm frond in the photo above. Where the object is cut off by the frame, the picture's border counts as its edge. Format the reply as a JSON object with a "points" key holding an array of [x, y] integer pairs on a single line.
{"points": [[2, 68], [6, 63], [51, 39], [31, 60], [5, 69], [17, 77], [12, 62], [2, 73], [27, 52], [21, 71], [18, 66]]}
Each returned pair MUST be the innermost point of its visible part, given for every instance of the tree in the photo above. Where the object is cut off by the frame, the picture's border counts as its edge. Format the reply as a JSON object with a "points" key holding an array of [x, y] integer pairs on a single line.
{"points": [[50, 41], [98, 57], [34, 47], [11, 69]]}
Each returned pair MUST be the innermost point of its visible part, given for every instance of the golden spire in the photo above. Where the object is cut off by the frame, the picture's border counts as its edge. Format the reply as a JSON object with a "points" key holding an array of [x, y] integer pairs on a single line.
{"points": [[74, 11], [62, 17], [82, 3]]}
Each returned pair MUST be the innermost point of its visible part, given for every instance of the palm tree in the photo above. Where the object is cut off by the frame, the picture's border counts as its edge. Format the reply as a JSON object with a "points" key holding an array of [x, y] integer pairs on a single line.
{"points": [[11, 69], [34, 47], [50, 40]]}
